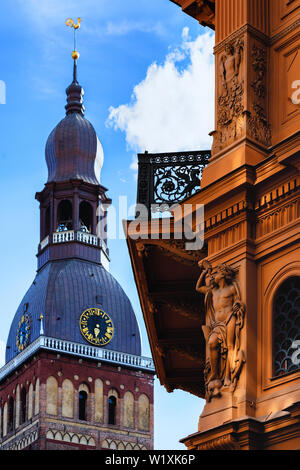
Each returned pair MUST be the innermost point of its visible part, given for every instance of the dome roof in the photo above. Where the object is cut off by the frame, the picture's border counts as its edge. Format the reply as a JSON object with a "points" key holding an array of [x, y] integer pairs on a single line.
{"points": [[62, 291], [73, 150]]}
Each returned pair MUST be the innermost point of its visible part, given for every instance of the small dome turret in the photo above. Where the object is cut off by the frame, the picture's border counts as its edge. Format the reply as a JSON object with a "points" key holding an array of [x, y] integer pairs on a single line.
{"points": [[73, 150]]}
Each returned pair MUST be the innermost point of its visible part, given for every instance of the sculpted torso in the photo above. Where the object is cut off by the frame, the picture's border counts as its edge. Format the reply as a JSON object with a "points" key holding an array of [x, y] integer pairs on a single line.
{"points": [[223, 299]]}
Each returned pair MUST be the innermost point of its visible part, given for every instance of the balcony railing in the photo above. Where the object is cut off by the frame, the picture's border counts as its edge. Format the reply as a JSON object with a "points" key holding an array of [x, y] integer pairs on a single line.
{"points": [[165, 179], [77, 349], [72, 235]]}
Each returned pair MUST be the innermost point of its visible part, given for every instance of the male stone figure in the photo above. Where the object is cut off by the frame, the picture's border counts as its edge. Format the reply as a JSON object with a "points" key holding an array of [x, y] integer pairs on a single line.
{"points": [[224, 319]]}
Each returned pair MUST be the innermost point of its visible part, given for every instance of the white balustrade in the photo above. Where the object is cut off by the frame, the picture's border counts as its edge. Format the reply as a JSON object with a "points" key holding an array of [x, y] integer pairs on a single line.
{"points": [[71, 235], [62, 237], [44, 242], [88, 238], [77, 349]]}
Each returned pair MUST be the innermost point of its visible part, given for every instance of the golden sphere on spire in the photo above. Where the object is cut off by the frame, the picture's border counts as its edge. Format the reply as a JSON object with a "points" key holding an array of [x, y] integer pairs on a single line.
{"points": [[75, 55]]}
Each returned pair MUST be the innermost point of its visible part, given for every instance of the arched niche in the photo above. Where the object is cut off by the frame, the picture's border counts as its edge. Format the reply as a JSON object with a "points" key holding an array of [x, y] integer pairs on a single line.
{"points": [[51, 396], [37, 397], [10, 414], [30, 401], [128, 407], [23, 405], [83, 394], [143, 413], [67, 408], [112, 402]]}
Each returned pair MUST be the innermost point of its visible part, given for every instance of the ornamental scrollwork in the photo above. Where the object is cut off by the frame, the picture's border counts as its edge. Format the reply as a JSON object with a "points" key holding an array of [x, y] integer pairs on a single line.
{"points": [[230, 110], [259, 126]]}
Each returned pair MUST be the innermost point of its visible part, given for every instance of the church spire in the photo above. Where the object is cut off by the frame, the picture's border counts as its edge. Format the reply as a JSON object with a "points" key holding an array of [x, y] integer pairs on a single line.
{"points": [[74, 91]]}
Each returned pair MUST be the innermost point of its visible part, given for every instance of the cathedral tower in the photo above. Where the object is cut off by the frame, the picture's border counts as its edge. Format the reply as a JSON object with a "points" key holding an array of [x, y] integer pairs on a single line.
{"points": [[74, 376]]}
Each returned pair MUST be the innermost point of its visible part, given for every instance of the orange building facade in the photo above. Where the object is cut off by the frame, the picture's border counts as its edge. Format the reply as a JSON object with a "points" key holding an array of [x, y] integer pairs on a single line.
{"points": [[223, 320]]}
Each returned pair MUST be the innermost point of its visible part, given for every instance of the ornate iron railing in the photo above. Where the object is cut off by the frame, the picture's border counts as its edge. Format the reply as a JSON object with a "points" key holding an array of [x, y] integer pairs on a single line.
{"points": [[165, 179]]}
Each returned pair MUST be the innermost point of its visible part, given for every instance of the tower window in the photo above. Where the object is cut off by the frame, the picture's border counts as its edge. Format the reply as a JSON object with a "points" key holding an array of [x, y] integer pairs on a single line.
{"points": [[47, 221], [86, 217], [64, 216], [112, 404], [286, 317], [10, 417], [23, 406], [82, 405]]}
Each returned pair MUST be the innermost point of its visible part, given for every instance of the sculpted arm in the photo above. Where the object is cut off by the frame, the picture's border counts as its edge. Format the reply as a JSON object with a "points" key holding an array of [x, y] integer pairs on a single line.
{"points": [[199, 287]]}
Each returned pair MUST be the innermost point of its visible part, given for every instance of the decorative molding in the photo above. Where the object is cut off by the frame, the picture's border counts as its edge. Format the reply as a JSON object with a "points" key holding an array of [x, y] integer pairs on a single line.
{"points": [[21, 439], [285, 32], [227, 442], [174, 248], [245, 29], [278, 218], [70, 437], [227, 214], [202, 10]]}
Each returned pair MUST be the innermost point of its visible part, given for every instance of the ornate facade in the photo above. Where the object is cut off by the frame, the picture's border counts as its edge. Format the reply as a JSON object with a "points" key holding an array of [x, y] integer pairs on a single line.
{"points": [[223, 319]]}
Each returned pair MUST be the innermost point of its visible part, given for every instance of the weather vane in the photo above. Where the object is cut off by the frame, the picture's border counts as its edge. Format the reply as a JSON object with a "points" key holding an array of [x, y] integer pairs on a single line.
{"points": [[70, 22]]}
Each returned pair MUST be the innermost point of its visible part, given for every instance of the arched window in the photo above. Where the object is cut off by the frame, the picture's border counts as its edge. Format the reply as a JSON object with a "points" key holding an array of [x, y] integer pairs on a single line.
{"points": [[64, 216], [86, 217], [128, 405], [67, 408], [112, 404], [10, 417], [47, 222], [23, 406], [51, 396], [82, 405], [286, 332]]}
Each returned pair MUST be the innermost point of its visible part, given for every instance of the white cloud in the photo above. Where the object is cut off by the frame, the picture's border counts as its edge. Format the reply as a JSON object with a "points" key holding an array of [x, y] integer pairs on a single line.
{"points": [[2, 353], [172, 109]]}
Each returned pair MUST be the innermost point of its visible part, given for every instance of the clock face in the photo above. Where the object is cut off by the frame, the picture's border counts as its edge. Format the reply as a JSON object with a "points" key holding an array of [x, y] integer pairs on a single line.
{"points": [[96, 326], [23, 332]]}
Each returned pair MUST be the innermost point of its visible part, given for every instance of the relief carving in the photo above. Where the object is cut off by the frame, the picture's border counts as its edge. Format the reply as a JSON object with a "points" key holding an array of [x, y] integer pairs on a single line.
{"points": [[259, 127], [225, 314], [230, 101], [206, 13]]}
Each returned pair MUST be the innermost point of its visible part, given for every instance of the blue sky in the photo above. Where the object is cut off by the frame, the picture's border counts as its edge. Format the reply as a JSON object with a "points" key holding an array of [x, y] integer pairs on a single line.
{"points": [[139, 59]]}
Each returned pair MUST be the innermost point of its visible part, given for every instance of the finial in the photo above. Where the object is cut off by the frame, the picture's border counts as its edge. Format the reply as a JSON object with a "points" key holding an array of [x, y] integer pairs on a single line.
{"points": [[70, 22], [42, 326], [74, 91]]}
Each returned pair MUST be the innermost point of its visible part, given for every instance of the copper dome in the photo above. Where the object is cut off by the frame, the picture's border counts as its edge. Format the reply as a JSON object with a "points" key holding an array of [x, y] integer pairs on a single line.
{"points": [[73, 150]]}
